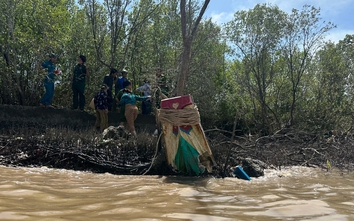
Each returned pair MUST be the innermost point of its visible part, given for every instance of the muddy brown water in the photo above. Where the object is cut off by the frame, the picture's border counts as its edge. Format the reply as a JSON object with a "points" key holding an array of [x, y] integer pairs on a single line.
{"points": [[291, 194]]}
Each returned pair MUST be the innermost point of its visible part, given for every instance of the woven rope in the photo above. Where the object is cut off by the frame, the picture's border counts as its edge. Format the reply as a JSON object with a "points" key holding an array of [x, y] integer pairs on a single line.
{"points": [[179, 117]]}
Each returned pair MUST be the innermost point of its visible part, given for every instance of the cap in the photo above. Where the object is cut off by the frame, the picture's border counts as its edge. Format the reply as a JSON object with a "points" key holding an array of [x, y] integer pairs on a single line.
{"points": [[124, 71]]}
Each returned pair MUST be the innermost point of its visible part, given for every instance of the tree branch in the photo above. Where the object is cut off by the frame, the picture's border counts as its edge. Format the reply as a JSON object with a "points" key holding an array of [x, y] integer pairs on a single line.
{"points": [[201, 13]]}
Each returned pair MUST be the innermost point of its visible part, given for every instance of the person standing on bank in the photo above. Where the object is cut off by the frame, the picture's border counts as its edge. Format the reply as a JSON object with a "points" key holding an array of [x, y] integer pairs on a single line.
{"points": [[121, 110], [52, 70], [145, 105], [110, 80], [78, 83], [119, 85], [101, 107], [128, 101], [162, 82]]}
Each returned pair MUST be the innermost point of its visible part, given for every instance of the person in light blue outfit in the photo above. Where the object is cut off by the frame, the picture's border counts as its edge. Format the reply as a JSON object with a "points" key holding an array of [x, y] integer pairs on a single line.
{"points": [[47, 98], [146, 104]]}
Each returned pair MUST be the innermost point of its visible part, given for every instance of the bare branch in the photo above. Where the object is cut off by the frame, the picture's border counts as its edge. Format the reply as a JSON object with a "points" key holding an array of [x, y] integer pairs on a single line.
{"points": [[200, 16]]}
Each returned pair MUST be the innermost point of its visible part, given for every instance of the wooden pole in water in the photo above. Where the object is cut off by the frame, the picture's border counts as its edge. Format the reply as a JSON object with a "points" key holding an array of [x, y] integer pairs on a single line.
{"points": [[230, 147]]}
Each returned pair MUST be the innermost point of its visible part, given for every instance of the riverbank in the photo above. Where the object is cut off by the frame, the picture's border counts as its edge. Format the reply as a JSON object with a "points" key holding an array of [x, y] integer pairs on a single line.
{"points": [[14, 117], [63, 138], [34, 137]]}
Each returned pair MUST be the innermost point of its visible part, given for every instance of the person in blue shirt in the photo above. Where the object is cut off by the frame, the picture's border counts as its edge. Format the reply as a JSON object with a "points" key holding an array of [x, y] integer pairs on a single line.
{"points": [[47, 98], [128, 101], [119, 85]]}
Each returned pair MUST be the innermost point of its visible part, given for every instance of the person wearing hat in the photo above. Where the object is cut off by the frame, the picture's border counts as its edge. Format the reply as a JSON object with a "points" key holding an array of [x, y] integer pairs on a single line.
{"points": [[119, 85], [128, 101], [78, 83], [101, 107], [49, 65], [110, 80]]}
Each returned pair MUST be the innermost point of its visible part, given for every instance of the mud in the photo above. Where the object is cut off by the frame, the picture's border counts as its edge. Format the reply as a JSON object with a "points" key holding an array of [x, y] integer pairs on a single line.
{"points": [[34, 137]]}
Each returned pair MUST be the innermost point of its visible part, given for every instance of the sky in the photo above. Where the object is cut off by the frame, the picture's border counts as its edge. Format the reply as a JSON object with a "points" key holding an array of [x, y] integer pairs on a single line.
{"points": [[339, 12]]}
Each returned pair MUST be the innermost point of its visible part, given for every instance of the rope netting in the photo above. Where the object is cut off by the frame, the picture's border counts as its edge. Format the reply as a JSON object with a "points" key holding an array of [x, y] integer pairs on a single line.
{"points": [[179, 117]]}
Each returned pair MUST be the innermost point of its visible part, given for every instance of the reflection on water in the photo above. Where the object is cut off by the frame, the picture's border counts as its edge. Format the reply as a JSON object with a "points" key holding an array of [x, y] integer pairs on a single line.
{"points": [[292, 194]]}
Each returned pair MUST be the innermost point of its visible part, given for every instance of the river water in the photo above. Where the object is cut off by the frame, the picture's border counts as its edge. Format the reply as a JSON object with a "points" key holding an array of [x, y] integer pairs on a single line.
{"points": [[291, 194]]}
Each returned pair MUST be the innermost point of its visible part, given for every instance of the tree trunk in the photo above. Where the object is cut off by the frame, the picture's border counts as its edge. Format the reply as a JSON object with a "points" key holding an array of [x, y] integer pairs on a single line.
{"points": [[13, 60], [188, 34], [182, 79]]}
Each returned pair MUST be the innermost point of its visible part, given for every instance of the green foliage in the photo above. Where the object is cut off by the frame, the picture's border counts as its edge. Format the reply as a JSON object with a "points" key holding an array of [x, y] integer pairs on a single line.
{"points": [[331, 88], [266, 67], [257, 35], [279, 74]]}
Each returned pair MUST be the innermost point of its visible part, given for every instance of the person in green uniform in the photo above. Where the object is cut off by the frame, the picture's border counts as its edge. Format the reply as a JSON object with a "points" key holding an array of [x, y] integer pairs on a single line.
{"points": [[78, 83], [110, 80], [162, 82], [119, 94]]}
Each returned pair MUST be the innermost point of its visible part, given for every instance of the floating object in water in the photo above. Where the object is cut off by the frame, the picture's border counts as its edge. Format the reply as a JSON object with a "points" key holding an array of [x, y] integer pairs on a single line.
{"points": [[240, 173]]}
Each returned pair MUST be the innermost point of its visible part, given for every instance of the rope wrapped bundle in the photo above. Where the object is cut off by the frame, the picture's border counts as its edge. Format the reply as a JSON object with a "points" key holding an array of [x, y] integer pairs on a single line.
{"points": [[187, 149], [180, 117]]}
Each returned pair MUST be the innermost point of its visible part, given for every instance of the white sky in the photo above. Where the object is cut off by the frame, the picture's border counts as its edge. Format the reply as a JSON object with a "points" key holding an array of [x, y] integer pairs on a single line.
{"points": [[339, 12]]}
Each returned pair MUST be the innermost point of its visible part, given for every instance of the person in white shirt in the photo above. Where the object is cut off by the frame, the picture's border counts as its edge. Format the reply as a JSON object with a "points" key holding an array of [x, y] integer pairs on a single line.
{"points": [[146, 105]]}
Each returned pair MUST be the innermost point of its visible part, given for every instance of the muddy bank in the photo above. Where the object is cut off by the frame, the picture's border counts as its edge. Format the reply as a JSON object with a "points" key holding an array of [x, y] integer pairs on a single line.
{"points": [[87, 150], [63, 138], [288, 148], [84, 150], [20, 117], [58, 143]]}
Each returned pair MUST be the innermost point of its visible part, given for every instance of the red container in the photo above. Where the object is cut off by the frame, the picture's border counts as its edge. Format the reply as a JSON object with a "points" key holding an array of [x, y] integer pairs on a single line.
{"points": [[177, 102]]}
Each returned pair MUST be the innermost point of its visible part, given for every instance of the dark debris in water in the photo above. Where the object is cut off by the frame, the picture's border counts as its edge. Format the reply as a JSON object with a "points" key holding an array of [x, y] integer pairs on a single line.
{"points": [[294, 148]]}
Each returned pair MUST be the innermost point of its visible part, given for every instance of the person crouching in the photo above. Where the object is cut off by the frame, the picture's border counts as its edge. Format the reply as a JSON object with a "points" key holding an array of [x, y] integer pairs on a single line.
{"points": [[101, 107], [128, 101]]}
